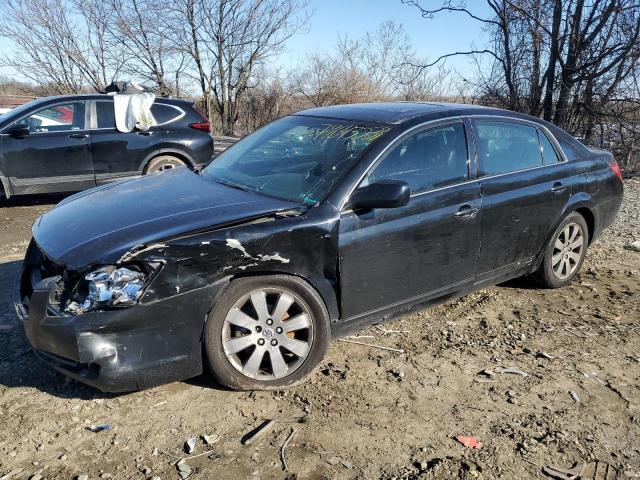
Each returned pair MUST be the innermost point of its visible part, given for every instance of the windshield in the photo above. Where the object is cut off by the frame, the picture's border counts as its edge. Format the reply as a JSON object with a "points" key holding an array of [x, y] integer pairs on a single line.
{"points": [[295, 158], [16, 111]]}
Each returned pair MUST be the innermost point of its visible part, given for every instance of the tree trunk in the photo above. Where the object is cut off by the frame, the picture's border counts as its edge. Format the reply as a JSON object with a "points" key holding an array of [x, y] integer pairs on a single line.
{"points": [[553, 60], [568, 70]]}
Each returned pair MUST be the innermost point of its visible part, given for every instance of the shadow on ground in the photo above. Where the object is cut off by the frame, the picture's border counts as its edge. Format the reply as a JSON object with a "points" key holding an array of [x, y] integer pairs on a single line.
{"points": [[30, 200]]}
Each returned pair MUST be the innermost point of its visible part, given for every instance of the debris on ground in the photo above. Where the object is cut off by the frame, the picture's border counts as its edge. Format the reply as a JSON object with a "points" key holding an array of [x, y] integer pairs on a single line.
{"points": [[258, 432], [583, 471], [512, 370], [575, 396], [634, 246], [190, 445], [210, 439], [573, 473], [391, 332], [184, 470], [469, 442], [395, 375], [12, 474], [285, 467], [371, 345], [99, 428], [545, 355]]}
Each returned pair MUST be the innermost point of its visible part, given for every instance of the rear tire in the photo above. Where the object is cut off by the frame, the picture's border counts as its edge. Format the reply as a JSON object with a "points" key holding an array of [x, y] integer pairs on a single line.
{"points": [[565, 252], [266, 332], [162, 163]]}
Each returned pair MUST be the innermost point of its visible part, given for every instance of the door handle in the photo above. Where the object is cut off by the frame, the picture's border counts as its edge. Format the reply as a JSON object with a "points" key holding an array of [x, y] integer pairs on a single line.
{"points": [[145, 134], [558, 188], [466, 211], [78, 135]]}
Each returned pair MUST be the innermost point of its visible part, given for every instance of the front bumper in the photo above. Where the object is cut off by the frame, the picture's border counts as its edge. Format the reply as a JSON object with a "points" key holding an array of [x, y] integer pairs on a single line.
{"points": [[118, 350]]}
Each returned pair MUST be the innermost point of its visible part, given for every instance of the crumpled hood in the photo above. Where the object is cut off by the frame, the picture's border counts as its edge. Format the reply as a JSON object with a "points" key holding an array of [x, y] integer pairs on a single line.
{"points": [[98, 226]]}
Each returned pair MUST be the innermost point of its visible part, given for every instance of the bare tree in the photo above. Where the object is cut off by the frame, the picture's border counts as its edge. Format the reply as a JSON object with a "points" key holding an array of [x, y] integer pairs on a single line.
{"points": [[142, 32], [563, 59], [187, 20], [381, 65], [59, 43], [238, 36]]}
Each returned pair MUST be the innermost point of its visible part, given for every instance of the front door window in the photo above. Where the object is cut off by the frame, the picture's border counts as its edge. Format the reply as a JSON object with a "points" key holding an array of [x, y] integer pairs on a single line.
{"points": [[55, 118]]}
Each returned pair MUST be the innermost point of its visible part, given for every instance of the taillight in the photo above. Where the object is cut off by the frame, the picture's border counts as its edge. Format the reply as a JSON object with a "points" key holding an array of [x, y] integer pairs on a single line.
{"points": [[203, 126], [615, 168]]}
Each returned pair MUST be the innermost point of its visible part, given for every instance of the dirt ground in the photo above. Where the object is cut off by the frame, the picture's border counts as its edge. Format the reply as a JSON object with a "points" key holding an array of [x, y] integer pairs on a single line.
{"points": [[374, 413]]}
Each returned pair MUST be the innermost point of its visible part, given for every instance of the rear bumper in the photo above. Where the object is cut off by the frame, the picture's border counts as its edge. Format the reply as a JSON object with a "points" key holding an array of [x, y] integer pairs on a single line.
{"points": [[119, 350], [606, 211]]}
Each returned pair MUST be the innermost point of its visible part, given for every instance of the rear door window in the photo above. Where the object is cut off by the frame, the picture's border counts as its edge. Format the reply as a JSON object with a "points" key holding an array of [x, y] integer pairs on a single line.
{"points": [[165, 113], [430, 159], [507, 147], [105, 115]]}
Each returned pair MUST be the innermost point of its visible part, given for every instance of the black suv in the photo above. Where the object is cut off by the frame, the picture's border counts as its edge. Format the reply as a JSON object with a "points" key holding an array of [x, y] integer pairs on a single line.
{"points": [[70, 143]]}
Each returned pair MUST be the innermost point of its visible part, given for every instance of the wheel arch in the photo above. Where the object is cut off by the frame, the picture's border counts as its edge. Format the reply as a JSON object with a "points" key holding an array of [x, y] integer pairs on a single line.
{"points": [[590, 218], [322, 286], [181, 154], [582, 204]]}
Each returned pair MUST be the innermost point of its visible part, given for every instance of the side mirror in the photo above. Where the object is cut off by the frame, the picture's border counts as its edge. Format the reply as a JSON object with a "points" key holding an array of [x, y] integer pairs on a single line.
{"points": [[383, 194], [18, 131]]}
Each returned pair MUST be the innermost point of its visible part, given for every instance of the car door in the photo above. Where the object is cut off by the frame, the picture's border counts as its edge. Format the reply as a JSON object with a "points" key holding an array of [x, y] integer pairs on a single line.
{"points": [[54, 155], [118, 155], [428, 247], [524, 189]]}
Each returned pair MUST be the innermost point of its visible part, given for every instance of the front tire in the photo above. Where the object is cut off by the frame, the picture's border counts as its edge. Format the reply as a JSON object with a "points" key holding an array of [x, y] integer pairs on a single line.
{"points": [[266, 332], [565, 253]]}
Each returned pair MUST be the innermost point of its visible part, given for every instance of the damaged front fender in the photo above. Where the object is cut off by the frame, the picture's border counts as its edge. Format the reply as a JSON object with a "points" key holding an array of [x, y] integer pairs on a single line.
{"points": [[303, 245]]}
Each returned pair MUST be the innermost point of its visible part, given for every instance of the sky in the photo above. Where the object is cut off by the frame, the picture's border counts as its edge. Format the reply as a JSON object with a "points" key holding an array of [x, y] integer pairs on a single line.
{"points": [[446, 33]]}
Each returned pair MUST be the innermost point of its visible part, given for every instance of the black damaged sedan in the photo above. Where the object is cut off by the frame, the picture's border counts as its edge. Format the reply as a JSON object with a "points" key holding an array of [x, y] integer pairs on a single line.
{"points": [[316, 225]]}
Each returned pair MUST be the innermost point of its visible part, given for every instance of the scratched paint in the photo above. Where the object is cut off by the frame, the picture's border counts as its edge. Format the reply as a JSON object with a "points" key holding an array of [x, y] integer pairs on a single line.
{"points": [[236, 245]]}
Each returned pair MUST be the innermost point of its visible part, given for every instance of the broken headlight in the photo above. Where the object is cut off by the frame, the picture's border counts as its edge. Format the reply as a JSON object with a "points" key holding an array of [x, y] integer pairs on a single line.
{"points": [[108, 287]]}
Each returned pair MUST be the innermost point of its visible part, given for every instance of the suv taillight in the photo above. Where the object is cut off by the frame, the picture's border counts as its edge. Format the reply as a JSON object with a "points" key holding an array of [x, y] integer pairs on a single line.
{"points": [[615, 168], [203, 126]]}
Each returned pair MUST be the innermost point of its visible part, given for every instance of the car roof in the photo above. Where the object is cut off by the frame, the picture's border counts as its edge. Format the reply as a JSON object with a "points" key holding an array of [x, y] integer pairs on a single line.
{"points": [[98, 96], [400, 112]]}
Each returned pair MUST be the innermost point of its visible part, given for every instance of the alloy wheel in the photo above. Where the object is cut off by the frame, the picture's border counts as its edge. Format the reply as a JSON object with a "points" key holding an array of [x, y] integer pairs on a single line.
{"points": [[268, 334], [567, 251]]}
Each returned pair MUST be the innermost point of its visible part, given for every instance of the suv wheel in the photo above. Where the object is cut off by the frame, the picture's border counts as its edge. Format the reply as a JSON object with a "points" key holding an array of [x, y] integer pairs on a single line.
{"points": [[266, 332], [163, 162], [565, 252]]}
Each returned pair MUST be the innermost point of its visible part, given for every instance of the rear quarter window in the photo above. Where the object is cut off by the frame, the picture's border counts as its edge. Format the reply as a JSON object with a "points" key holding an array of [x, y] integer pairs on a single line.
{"points": [[549, 155], [165, 113], [571, 147]]}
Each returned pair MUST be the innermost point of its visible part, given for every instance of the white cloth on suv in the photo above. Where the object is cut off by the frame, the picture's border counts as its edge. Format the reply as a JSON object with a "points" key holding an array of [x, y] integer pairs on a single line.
{"points": [[132, 109]]}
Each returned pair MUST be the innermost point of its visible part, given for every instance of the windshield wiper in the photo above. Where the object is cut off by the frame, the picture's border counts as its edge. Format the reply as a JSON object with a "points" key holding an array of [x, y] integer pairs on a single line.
{"points": [[234, 185]]}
